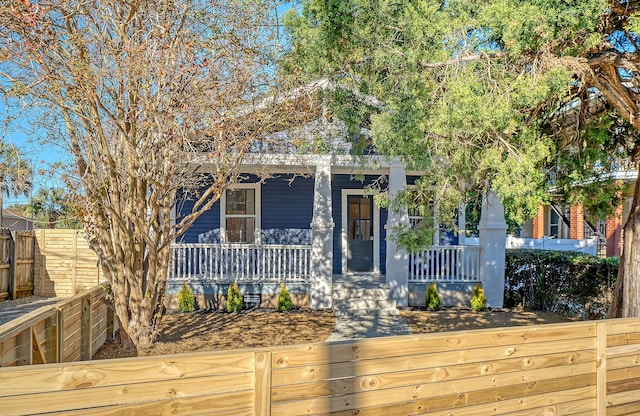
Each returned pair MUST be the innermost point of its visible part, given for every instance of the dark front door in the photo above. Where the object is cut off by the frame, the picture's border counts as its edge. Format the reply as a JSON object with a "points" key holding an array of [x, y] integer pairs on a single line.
{"points": [[360, 238]]}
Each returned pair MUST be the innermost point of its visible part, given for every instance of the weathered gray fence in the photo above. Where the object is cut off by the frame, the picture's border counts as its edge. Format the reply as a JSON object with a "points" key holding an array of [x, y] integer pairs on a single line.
{"points": [[17, 258]]}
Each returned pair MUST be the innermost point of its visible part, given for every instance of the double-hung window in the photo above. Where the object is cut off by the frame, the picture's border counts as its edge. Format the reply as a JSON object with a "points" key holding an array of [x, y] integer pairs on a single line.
{"points": [[240, 214]]}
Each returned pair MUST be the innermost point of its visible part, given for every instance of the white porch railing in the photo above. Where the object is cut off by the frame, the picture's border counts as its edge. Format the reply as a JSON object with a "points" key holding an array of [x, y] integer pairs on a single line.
{"points": [[587, 246], [445, 264], [240, 262]]}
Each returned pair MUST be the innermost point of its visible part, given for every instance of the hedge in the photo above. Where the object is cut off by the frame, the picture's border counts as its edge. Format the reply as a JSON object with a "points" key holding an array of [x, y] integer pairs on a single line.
{"points": [[567, 282]]}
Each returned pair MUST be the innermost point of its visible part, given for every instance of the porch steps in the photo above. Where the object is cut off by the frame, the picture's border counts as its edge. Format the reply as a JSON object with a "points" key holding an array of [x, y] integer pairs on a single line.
{"points": [[362, 297], [364, 308]]}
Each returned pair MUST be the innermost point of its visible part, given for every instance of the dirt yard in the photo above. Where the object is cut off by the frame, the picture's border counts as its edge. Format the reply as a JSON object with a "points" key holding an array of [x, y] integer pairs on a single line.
{"points": [[210, 331]]}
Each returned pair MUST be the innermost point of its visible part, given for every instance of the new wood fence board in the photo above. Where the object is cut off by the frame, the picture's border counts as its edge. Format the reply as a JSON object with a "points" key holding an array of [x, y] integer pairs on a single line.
{"points": [[619, 386], [626, 409], [60, 401], [427, 405], [233, 404], [557, 400], [623, 374], [9, 350], [436, 382], [287, 363], [624, 397], [523, 390], [286, 376], [438, 342], [582, 407], [101, 373]]}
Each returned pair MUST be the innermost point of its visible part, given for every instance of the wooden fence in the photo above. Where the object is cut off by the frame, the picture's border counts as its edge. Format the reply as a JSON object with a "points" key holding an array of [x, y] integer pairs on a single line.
{"points": [[17, 253], [583, 368], [70, 330], [5, 263], [64, 263], [51, 263]]}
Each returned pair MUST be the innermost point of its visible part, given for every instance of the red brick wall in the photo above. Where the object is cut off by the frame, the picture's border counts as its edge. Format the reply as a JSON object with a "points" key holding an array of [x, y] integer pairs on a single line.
{"points": [[538, 223], [576, 219]]}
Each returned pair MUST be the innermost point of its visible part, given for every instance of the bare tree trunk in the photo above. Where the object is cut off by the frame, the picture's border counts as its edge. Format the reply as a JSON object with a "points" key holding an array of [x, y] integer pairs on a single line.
{"points": [[626, 297]]}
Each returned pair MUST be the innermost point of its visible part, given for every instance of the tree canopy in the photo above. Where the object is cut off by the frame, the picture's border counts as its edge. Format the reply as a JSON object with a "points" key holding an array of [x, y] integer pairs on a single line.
{"points": [[498, 93]]}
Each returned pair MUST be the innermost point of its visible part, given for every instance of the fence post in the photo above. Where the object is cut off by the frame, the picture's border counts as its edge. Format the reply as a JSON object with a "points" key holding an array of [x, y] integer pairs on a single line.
{"points": [[262, 384], [74, 263], [85, 328], [12, 264], [601, 369], [60, 340]]}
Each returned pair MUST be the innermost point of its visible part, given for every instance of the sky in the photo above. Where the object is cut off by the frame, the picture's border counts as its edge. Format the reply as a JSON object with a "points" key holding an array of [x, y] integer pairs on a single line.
{"points": [[43, 156]]}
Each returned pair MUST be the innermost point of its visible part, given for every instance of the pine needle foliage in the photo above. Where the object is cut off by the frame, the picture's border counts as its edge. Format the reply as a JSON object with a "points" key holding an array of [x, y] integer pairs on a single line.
{"points": [[186, 300], [284, 299], [234, 298], [478, 298], [433, 297]]}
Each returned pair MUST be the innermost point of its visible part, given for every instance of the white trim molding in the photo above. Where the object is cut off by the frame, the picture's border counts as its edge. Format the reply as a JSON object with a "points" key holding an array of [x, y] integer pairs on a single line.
{"points": [[258, 209], [376, 230]]}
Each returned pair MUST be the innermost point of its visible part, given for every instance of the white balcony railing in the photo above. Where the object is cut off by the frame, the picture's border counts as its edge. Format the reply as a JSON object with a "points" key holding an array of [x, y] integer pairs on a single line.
{"points": [[445, 264], [240, 262]]}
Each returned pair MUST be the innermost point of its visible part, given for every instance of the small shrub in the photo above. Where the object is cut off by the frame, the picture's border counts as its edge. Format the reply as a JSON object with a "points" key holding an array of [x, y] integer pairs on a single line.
{"points": [[186, 300], [433, 297], [284, 299], [234, 298], [478, 298]]}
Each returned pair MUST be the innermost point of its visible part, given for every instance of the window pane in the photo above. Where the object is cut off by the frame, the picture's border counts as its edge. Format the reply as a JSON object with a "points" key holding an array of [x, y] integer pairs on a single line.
{"points": [[240, 230], [241, 202]]}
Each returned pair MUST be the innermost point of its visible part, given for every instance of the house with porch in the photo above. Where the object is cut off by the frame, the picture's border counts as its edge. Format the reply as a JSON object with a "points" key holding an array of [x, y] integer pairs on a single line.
{"points": [[557, 223], [307, 220]]}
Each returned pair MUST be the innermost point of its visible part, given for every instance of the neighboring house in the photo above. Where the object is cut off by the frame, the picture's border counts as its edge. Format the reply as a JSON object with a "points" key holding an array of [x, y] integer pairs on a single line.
{"points": [[305, 219], [15, 222], [558, 221]]}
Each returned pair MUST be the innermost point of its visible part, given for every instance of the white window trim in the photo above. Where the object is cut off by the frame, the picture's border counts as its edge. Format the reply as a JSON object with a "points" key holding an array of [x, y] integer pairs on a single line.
{"points": [[376, 230], [258, 209], [554, 224]]}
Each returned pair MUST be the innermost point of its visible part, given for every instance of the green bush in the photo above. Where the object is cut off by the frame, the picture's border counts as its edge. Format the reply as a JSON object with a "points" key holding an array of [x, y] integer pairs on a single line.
{"points": [[234, 298], [478, 298], [567, 282], [433, 297], [284, 299], [186, 300]]}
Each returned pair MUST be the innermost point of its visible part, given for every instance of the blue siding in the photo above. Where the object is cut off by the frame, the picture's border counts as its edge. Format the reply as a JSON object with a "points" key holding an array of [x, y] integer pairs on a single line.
{"points": [[209, 220], [284, 204], [287, 204]]}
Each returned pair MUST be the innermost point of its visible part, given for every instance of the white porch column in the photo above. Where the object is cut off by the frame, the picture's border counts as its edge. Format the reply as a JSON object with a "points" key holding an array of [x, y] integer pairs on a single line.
{"points": [[397, 259], [493, 233], [462, 224], [322, 238]]}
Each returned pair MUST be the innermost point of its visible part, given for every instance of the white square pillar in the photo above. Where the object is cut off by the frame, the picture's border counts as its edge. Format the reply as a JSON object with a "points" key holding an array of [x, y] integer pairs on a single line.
{"points": [[322, 238], [493, 234], [397, 259]]}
